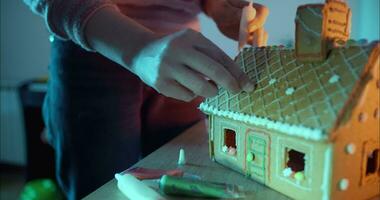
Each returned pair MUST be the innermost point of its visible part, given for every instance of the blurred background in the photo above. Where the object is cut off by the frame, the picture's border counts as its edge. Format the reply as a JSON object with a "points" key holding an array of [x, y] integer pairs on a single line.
{"points": [[25, 50]]}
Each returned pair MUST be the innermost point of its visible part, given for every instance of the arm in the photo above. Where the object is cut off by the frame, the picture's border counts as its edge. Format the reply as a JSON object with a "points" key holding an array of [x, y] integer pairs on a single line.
{"points": [[177, 65], [66, 19]]}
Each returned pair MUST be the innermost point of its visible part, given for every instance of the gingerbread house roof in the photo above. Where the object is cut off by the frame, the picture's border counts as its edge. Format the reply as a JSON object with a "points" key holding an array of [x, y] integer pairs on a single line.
{"points": [[291, 96]]}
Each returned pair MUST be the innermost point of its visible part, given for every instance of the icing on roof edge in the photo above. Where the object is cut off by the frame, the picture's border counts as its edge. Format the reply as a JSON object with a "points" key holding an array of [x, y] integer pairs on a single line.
{"points": [[289, 129]]}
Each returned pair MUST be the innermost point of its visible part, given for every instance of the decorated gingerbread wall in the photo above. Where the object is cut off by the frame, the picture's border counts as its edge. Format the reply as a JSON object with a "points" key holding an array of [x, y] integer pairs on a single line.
{"points": [[356, 139], [310, 129]]}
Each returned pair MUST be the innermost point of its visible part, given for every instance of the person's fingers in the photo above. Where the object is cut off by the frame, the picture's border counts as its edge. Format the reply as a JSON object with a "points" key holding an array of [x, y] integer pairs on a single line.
{"points": [[213, 70], [260, 36], [262, 13], [195, 82], [250, 39], [218, 55], [214, 52], [255, 39], [244, 82], [265, 40], [175, 90]]}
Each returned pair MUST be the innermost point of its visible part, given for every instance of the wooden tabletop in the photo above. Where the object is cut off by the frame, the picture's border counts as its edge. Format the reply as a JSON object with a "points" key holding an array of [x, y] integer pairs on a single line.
{"points": [[195, 143]]}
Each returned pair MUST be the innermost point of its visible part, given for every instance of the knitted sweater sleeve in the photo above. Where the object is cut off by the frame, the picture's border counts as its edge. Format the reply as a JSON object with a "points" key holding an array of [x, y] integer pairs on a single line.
{"points": [[67, 19]]}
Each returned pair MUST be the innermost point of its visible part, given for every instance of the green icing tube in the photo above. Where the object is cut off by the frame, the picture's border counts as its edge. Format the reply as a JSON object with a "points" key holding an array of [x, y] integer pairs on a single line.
{"points": [[179, 186]]}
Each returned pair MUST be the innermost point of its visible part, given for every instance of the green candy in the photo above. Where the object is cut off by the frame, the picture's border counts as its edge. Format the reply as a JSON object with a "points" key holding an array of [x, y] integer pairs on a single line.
{"points": [[299, 176], [250, 157], [41, 189]]}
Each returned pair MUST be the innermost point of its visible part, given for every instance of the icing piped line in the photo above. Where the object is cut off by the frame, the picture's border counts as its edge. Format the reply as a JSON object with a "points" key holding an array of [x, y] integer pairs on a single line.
{"points": [[293, 130]]}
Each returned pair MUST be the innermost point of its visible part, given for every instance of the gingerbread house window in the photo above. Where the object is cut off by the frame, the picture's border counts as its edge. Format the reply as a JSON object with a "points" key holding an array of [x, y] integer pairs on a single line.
{"points": [[296, 160], [229, 145], [294, 164], [372, 162]]}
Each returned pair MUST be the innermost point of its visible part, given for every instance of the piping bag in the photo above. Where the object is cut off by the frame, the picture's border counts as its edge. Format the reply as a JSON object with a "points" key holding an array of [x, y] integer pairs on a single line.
{"points": [[135, 189], [179, 186], [142, 183], [147, 173], [130, 184]]}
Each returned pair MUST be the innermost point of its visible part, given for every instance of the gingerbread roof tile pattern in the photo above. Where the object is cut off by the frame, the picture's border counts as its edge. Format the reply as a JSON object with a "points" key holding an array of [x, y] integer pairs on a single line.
{"points": [[305, 96]]}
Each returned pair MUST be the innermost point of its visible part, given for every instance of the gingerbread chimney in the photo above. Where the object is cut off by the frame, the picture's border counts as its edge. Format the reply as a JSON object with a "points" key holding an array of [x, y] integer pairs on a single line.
{"points": [[320, 27]]}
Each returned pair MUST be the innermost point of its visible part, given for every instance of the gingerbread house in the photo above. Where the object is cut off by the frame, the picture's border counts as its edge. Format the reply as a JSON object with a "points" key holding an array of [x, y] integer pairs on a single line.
{"points": [[310, 129]]}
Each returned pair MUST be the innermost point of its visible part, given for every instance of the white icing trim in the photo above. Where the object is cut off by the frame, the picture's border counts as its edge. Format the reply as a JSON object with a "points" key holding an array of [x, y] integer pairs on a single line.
{"points": [[293, 130], [327, 170]]}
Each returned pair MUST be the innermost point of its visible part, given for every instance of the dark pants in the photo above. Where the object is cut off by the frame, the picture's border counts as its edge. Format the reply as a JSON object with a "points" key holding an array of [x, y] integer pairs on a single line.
{"points": [[102, 119]]}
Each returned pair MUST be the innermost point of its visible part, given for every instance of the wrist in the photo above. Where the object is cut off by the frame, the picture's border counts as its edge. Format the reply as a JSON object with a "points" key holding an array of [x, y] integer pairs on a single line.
{"points": [[116, 36]]}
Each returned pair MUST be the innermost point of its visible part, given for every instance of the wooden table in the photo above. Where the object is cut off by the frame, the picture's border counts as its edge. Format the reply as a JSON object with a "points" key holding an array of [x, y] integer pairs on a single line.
{"points": [[195, 143]]}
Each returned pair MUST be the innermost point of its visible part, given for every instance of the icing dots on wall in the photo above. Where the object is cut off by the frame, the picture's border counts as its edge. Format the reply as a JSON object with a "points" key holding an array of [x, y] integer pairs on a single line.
{"points": [[343, 184], [350, 148]]}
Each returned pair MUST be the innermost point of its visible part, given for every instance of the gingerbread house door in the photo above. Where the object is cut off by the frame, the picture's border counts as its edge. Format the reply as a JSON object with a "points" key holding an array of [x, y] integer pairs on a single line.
{"points": [[257, 156]]}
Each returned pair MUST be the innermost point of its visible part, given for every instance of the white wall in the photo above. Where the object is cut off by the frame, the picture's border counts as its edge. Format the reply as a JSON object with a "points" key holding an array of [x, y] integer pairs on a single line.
{"points": [[24, 43], [24, 55]]}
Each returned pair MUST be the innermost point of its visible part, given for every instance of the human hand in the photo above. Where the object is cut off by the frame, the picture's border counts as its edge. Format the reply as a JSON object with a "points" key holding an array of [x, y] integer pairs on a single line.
{"points": [[227, 15], [180, 66]]}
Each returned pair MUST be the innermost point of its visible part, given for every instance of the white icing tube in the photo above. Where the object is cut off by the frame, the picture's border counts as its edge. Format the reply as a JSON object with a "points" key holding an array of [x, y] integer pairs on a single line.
{"points": [[134, 189]]}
